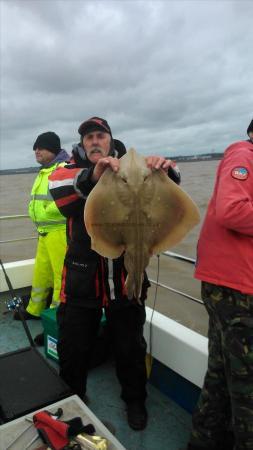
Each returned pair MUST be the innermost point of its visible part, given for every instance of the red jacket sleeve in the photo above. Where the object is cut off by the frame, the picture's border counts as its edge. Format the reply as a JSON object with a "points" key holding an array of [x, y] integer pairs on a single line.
{"points": [[63, 186], [234, 189]]}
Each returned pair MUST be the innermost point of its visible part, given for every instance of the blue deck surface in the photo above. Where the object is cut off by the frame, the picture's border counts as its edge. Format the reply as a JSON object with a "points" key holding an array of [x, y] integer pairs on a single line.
{"points": [[169, 425]]}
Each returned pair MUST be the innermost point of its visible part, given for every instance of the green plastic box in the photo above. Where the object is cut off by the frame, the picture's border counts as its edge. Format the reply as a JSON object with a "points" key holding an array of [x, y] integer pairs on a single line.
{"points": [[48, 317]]}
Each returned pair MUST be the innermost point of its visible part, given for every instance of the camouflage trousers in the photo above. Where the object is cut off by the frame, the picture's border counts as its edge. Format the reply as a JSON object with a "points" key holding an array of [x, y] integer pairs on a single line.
{"points": [[223, 418]]}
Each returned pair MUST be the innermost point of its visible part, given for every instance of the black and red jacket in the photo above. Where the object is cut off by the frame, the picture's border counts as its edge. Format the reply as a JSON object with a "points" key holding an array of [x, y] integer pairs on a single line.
{"points": [[89, 279]]}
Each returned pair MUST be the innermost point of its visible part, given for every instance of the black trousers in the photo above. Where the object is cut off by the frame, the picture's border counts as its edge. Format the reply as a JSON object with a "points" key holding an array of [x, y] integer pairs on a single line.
{"points": [[78, 328]]}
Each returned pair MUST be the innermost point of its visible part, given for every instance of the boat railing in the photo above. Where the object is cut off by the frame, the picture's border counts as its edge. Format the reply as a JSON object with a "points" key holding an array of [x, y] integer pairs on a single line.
{"points": [[155, 282], [16, 217], [169, 288]]}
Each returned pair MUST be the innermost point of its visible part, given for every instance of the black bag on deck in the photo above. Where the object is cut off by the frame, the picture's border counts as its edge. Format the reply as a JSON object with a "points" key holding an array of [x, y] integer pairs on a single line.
{"points": [[27, 383]]}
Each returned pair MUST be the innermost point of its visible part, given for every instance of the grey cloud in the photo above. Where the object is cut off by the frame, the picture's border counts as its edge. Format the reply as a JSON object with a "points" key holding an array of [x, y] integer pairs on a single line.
{"points": [[168, 76]]}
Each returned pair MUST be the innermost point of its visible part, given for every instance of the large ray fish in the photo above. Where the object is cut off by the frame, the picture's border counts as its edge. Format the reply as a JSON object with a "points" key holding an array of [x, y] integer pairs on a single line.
{"points": [[139, 212]]}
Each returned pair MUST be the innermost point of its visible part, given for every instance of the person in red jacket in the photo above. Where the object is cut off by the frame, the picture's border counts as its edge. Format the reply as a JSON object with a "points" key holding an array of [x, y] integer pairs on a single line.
{"points": [[91, 282], [223, 419]]}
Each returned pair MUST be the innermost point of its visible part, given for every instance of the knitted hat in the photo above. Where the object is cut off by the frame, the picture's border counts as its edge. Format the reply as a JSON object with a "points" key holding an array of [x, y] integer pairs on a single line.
{"points": [[250, 128], [49, 141], [93, 124]]}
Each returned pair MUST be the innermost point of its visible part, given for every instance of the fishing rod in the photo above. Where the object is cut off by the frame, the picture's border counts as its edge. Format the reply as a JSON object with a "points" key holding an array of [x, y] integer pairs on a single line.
{"points": [[15, 303]]}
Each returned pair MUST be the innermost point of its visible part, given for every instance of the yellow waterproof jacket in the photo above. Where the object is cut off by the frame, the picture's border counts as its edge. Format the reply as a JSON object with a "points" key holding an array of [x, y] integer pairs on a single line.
{"points": [[42, 208]]}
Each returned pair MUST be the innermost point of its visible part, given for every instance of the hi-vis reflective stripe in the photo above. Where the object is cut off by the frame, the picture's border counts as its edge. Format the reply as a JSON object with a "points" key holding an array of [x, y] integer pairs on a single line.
{"points": [[46, 196], [51, 222], [39, 294], [42, 197], [39, 289], [39, 297]]}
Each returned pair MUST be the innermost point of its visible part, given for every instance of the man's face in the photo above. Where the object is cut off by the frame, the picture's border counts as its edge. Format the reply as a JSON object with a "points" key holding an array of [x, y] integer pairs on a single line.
{"points": [[251, 135], [43, 156], [96, 145]]}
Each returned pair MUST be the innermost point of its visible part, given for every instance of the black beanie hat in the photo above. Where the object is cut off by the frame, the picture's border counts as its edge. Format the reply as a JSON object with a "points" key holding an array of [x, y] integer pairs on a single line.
{"points": [[93, 124], [250, 127], [49, 141]]}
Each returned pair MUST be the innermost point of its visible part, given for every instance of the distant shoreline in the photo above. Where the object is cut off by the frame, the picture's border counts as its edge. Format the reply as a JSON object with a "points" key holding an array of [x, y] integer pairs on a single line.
{"points": [[197, 158], [19, 171], [191, 158]]}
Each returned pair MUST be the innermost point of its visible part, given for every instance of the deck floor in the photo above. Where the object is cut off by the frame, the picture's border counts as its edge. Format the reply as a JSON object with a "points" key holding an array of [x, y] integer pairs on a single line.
{"points": [[169, 425]]}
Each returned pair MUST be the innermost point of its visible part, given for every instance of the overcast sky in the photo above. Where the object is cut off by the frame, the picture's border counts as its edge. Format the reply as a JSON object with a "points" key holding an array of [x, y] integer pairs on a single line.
{"points": [[171, 77]]}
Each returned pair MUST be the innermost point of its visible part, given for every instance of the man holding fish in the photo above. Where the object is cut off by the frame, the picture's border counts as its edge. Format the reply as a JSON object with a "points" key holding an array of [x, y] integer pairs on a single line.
{"points": [[92, 282]]}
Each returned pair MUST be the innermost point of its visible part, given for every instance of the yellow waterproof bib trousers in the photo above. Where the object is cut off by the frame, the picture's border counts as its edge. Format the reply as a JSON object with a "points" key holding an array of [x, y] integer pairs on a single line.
{"points": [[47, 270]]}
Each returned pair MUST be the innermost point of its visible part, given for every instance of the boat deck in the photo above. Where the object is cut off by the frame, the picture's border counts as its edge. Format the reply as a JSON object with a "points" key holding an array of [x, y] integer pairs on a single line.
{"points": [[169, 425]]}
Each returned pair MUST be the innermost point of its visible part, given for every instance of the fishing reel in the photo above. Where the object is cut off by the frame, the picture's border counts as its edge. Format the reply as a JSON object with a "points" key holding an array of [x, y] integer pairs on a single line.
{"points": [[14, 303]]}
